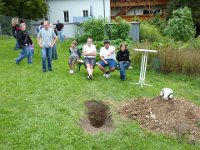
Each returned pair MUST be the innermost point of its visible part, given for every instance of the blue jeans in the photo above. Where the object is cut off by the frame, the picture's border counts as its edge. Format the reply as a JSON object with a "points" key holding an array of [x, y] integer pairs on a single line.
{"points": [[54, 52], [123, 65], [46, 54], [25, 52], [16, 45], [60, 35]]}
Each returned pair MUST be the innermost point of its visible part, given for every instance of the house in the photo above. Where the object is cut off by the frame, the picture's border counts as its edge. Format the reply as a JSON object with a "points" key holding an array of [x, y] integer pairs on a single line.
{"points": [[143, 9], [71, 12]]}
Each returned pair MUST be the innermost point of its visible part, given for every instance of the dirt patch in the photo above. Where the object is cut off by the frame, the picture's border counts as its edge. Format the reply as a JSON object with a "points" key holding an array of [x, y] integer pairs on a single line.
{"points": [[98, 117], [175, 117]]}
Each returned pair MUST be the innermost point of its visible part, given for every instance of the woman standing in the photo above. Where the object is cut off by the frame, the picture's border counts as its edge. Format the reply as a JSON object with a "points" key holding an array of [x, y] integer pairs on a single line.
{"points": [[24, 42]]}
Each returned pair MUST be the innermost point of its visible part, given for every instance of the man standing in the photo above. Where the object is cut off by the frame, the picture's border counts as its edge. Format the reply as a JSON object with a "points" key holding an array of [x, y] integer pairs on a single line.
{"points": [[59, 27], [107, 56], [46, 39]]}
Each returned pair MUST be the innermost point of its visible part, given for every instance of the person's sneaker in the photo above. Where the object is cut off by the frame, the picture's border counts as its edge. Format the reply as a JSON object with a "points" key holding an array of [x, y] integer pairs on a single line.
{"points": [[91, 77], [17, 62], [106, 75], [50, 69], [44, 70], [88, 77], [71, 71]]}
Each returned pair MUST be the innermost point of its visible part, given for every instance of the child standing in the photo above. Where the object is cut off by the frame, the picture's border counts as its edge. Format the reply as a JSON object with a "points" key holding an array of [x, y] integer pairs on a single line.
{"points": [[74, 56]]}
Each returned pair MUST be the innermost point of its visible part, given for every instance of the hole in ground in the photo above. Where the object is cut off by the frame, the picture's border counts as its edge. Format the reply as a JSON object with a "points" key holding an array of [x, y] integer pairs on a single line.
{"points": [[98, 117], [97, 113]]}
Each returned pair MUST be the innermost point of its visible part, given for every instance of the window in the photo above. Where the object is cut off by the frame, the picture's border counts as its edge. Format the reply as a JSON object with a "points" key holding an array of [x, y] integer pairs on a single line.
{"points": [[85, 13], [66, 16]]}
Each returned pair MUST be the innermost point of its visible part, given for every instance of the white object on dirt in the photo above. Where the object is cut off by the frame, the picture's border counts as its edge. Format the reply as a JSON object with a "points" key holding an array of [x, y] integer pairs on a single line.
{"points": [[166, 94]]}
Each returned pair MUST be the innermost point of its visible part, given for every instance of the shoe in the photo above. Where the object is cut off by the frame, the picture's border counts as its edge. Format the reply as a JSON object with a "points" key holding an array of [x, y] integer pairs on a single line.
{"points": [[17, 62], [71, 71], [50, 69], [44, 70], [91, 77], [106, 75], [88, 77]]}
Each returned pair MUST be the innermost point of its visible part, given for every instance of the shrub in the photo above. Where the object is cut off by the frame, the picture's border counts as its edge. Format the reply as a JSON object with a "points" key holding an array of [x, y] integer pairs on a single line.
{"points": [[149, 32], [91, 28], [159, 22], [118, 29], [181, 26]]}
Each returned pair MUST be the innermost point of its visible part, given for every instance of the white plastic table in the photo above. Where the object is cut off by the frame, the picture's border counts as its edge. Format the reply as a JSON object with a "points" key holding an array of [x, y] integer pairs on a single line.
{"points": [[144, 65]]}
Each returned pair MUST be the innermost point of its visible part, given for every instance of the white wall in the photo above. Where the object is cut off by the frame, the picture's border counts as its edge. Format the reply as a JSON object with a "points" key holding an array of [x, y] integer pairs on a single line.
{"points": [[75, 9]]}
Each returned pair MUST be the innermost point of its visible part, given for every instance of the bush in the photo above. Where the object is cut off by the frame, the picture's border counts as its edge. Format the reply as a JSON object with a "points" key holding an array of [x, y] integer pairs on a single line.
{"points": [[91, 28], [159, 23], [99, 29], [149, 32], [181, 26], [120, 29]]}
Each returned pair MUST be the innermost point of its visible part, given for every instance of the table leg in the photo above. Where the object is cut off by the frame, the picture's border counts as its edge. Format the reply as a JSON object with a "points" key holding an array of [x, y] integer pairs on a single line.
{"points": [[143, 70]]}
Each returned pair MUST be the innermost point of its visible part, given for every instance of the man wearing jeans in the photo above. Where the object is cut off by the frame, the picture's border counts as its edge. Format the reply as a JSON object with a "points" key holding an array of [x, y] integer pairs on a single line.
{"points": [[107, 56], [46, 39]]}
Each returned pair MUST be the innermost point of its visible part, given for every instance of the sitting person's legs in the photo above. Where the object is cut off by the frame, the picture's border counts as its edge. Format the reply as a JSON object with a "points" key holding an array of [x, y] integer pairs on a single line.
{"points": [[89, 63], [122, 68], [102, 66], [112, 65]]}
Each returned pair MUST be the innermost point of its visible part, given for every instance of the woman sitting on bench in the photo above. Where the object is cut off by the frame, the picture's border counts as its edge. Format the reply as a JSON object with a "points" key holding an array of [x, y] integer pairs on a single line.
{"points": [[123, 61], [89, 53]]}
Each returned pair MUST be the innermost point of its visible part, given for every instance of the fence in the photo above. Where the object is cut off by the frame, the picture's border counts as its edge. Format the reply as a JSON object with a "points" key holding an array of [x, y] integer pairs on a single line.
{"points": [[6, 27]]}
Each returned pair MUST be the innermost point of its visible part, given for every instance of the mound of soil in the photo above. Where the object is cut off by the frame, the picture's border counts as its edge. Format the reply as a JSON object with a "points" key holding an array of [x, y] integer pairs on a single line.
{"points": [[98, 117], [175, 117]]}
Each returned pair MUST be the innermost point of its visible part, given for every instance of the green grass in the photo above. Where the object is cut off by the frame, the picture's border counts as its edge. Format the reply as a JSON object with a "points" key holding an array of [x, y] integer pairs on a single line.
{"points": [[42, 110]]}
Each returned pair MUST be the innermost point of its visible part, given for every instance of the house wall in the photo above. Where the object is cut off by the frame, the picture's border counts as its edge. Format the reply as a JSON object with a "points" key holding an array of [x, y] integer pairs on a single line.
{"points": [[75, 9]]}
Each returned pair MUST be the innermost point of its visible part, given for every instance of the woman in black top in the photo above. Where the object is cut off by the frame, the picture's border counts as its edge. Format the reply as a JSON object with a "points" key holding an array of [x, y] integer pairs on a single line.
{"points": [[123, 61], [24, 41]]}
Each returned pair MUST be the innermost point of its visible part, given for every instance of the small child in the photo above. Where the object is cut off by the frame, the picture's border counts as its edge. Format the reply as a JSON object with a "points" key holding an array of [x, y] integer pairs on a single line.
{"points": [[74, 56]]}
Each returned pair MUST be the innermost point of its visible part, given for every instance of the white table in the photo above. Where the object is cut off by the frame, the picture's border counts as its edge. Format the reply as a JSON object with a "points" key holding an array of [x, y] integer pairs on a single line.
{"points": [[144, 65]]}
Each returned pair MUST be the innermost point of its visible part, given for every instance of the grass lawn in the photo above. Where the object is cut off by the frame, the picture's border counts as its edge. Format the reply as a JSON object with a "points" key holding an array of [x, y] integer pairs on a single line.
{"points": [[42, 110]]}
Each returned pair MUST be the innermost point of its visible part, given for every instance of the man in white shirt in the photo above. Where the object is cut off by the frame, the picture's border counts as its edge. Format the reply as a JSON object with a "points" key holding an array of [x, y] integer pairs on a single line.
{"points": [[107, 56], [89, 52]]}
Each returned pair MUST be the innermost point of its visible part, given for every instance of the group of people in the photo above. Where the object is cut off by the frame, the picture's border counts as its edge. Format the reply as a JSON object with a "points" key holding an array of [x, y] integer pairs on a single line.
{"points": [[107, 58], [47, 37]]}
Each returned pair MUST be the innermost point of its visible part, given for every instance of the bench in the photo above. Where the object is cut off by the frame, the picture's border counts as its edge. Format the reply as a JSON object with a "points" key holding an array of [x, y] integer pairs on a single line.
{"points": [[81, 62]]}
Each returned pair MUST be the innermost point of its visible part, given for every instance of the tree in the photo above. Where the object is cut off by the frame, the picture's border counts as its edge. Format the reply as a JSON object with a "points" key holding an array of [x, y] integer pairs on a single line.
{"points": [[181, 26], [1, 5], [194, 5], [29, 9]]}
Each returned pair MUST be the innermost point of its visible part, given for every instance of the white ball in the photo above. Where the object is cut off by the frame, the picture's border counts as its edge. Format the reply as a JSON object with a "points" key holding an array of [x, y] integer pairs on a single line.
{"points": [[166, 94]]}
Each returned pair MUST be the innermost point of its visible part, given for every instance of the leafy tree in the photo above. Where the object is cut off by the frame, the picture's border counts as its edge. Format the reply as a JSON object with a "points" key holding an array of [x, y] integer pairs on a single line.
{"points": [[30, 9], [181, 26], [194, 5], [1, 5]]}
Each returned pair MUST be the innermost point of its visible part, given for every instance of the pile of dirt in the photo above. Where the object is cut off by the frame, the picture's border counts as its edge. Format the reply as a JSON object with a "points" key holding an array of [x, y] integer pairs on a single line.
{"points": [[174, 117], [98, 117]]}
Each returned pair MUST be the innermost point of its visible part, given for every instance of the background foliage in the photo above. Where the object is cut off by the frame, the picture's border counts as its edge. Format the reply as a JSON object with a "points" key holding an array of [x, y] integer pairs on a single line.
{"points": [[180, 26], [30, 9]]}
